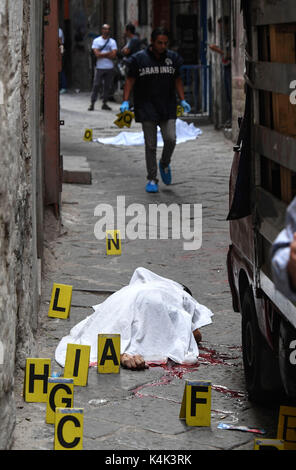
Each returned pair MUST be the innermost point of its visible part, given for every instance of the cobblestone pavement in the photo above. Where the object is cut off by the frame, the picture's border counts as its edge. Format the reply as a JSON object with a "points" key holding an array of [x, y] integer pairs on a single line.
{"points": [[140, 410]]}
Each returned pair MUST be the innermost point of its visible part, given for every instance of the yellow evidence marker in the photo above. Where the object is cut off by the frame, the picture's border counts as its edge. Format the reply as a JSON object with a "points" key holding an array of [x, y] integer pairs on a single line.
{"points": [[77, 363], [36, 378], [196, 404], [60, 394], [268, 444], [124, 119], [108, 354], [60, 303], [180, 110], [88, 135], [287, 427], [68, 431], [113, 242]]}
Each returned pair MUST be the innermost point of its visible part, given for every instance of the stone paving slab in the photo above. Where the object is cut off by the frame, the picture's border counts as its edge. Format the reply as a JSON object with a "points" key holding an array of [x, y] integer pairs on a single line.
{"points": [[76, 170]]}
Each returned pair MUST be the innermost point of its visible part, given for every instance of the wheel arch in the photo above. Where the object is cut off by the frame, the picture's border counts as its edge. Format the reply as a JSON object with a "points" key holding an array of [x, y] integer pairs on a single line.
{"points": [[243, 286]]}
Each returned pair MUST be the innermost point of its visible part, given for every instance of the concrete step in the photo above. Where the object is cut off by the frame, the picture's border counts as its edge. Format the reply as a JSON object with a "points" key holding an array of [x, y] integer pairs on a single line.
{"points": [[76, 170]]}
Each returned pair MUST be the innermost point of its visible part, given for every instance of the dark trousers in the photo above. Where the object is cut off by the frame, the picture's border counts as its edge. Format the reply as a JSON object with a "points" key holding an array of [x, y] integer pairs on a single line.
{"points": [[168, 132], [104, 78]]}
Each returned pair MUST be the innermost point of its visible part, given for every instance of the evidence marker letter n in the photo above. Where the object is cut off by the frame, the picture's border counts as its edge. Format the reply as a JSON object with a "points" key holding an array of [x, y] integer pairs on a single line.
{"points": [[113, 242], [60, 303]]}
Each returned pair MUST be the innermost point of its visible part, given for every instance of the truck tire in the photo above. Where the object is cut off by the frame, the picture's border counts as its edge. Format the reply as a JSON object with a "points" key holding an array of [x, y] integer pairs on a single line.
{"points": [[251, 347], [261, 368]]}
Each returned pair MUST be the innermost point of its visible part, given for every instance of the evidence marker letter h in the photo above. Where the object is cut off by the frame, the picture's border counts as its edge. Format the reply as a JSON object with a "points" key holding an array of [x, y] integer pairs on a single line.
{"points": [[36, 378]]}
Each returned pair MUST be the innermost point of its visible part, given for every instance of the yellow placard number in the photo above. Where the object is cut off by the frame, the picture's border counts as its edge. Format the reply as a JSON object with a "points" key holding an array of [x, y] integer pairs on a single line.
{"points": [[60, 303], [88, 135], [77, 363], [113, 242], [36, 377], [124, 119], [180, 110], [287, 427], [196, 404], [60, 394], [108, 353], [268, 444], [68, 434]]}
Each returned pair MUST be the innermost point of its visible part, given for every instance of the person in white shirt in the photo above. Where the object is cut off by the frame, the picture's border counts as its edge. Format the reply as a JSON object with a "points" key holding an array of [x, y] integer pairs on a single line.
{"points": [[105, 50]]}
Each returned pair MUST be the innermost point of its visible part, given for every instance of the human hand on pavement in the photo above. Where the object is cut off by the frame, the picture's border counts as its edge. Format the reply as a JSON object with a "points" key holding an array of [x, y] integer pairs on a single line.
{"points": [[186, 106], [291, 268], [197, 335], [124, 106], [133, 362]]}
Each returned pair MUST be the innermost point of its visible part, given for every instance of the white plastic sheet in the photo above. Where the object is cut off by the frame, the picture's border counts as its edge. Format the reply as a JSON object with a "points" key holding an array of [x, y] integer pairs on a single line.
{"points": [[184, 132], [154, 316]]}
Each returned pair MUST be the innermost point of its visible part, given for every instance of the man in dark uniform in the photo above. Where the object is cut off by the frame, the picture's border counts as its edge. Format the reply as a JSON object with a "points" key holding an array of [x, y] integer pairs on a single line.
{"points": [[154, 76]]}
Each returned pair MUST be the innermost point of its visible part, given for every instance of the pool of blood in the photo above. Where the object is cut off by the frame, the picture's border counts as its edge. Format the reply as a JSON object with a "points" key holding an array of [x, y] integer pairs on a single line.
{"points": [[210, 356], [207, 356], [173, 370]]}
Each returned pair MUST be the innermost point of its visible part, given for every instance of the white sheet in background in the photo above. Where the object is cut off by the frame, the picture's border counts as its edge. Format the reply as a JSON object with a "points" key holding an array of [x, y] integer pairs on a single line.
{"points": [[184, 132], [154, 316]]}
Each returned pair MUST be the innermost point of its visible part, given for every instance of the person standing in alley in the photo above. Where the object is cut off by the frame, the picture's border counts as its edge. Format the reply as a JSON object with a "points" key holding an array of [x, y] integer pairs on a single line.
{"points": [[63, 80], [105, 50], [132, 46], [154, 77], [133, 43]]}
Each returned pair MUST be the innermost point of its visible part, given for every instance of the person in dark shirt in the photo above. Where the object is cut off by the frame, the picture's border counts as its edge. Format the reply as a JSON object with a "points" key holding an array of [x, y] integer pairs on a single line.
{"points": [[154, 77], [133, 43], [132, 46]]}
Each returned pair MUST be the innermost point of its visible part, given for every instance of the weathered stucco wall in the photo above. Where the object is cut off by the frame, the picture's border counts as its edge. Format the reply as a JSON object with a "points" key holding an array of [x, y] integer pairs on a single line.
{"points": [[238, 64], [18, 201]]}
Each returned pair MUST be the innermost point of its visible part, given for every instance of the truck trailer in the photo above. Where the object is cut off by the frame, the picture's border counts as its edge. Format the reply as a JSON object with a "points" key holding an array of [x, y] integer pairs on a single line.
{"points": [[262, 184]]}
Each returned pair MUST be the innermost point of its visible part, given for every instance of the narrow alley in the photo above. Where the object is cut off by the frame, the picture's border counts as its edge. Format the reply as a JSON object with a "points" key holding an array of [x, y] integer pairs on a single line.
{"points": [[140, 410], [222, 74]]}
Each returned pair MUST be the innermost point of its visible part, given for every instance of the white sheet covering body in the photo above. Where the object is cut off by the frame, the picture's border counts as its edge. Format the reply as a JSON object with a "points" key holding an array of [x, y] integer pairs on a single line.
{"points": [[184, 132], [154, 316]]}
